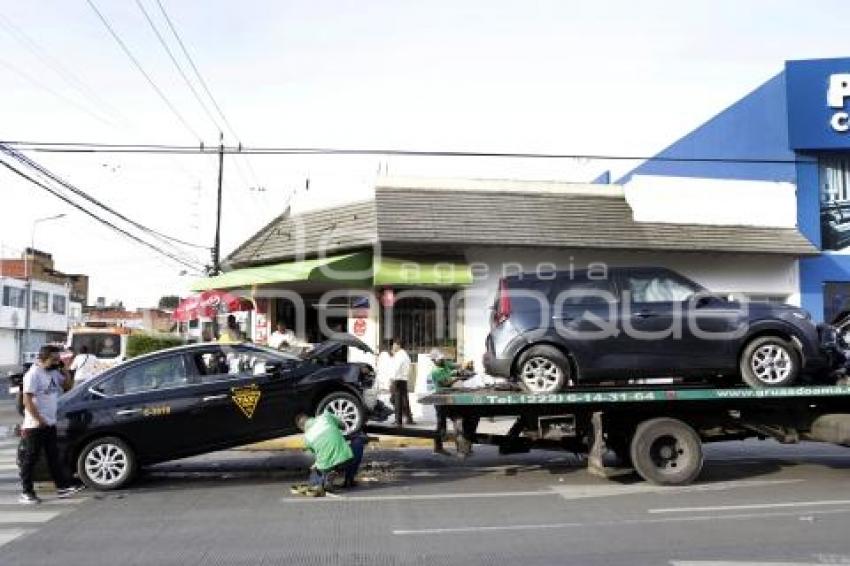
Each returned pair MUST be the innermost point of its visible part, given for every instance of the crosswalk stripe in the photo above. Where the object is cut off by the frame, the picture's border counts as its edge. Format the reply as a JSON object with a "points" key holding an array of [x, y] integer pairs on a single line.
{"points": [[8, 535], [9, 443], [7, 452], [8, 467], [10, 486], [15, 517], [6, 499]]}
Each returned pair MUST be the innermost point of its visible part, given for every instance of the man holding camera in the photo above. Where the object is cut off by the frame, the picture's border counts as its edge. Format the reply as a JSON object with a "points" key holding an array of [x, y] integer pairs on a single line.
{"points": [[45, 381]]}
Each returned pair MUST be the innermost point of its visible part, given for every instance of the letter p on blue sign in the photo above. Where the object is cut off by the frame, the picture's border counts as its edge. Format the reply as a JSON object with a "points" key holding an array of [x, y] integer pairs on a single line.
{"points": [[839, 90]]}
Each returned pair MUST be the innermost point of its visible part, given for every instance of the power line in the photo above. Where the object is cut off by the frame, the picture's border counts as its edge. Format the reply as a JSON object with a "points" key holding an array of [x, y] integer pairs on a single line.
{"points": [[68, 76], [177, 65], [86, 147], [32, 80], [141, 69], [195, 68], [206, 88], [79, 192], [70, 202]]}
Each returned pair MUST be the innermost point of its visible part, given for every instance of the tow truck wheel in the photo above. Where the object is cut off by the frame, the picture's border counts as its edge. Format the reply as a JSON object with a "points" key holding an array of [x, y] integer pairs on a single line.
{"points": [[346, 407], [769, 361], [544, 369], [106, 463], [666, 451]]}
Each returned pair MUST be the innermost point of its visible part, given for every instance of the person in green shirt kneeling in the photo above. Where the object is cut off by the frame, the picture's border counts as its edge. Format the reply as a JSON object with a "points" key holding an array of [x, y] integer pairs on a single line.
{"points": [[334, 454]]}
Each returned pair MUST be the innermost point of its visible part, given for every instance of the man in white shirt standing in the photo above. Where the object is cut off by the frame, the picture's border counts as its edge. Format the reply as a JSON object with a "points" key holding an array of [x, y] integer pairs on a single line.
{"points": [[83, 366], [398, 386], [45, 381], [282, 337]]}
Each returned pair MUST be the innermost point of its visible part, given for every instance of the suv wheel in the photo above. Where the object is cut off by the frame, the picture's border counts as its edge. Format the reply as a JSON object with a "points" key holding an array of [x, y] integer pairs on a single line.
{"points": [[544, 369], [346, 407], [770, 361]]}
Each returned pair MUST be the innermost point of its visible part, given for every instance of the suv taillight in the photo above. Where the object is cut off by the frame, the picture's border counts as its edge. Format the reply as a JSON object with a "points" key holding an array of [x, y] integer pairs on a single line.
{"points": [[503, 306]]}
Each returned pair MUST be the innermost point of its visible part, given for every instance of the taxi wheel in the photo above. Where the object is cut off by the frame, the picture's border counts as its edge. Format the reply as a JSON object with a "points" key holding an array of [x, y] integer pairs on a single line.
{"points": [[346, 407], [106, 463]]}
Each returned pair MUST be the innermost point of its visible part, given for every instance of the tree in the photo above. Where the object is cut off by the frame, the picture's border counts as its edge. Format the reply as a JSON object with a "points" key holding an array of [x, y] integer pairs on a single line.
{"points": [[169, 302]]}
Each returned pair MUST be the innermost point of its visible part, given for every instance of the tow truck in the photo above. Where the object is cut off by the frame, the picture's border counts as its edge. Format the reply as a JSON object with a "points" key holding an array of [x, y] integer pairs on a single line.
{"points": [[656, 431]]}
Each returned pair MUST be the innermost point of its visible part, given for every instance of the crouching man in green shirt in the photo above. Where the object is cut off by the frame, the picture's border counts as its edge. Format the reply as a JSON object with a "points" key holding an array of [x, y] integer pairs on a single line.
{"points": [[334, 454]]}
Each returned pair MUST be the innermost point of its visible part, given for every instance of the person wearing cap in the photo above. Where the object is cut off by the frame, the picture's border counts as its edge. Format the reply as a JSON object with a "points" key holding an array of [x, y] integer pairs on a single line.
{"points": [[445, 374]]}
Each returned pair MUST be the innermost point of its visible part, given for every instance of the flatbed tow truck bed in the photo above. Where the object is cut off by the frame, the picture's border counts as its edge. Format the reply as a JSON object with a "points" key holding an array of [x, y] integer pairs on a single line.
{"points": [[656, 431]]}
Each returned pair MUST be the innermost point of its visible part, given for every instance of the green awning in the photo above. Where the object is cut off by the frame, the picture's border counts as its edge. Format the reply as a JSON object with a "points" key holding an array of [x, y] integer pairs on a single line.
{"points": [[392, 271], [353, 268]]}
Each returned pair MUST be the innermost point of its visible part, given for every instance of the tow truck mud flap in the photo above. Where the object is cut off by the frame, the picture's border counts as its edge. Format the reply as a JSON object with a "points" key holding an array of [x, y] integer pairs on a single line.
{"points": [[834, 429]]}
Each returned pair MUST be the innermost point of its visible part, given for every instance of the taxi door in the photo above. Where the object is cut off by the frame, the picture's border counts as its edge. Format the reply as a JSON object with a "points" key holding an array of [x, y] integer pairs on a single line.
{"points": [[236, 404], [158, 408]]}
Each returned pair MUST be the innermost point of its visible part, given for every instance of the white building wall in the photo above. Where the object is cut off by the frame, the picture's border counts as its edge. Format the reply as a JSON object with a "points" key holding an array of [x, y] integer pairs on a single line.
{"points": [[13, 319], [686, 200], [722, 273], [8, 348]]}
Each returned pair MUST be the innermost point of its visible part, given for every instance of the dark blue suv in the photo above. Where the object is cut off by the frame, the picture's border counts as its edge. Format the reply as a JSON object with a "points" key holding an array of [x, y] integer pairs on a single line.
{"points": [[559, 329]]}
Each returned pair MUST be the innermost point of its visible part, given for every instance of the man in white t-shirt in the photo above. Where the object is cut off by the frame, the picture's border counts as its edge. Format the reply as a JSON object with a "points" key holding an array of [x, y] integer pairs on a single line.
{"points": [[282, 337], [45, 381], [398, 386], [83, 366]]}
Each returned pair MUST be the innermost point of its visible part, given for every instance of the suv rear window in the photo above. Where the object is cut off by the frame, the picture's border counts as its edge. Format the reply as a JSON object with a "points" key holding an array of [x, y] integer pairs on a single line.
{"points": [[102, 345]]}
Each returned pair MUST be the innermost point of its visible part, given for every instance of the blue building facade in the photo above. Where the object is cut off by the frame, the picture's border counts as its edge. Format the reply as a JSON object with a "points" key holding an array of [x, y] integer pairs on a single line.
{"points": [[794, 128]]}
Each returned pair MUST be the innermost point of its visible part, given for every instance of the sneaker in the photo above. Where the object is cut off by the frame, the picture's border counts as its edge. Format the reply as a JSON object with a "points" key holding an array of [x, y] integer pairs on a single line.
{"points": [[299, 489], [66, 492], [29, 499]]}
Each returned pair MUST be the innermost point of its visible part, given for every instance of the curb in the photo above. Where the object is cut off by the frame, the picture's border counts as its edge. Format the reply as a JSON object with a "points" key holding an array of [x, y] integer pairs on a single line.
{"points": [[378, 442]]}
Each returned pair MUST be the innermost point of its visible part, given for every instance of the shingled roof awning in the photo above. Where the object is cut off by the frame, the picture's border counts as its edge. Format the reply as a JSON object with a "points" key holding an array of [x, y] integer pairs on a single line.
{"points": [[433, 220], [552, 219]]}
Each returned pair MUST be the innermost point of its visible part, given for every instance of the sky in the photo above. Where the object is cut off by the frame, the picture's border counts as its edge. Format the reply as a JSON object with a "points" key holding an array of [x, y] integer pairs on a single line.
{"points": [[595, 77]]}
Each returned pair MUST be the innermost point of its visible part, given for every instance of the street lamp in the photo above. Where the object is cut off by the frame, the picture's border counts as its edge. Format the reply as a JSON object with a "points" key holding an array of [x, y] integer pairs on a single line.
{"points": [[28, 273]]}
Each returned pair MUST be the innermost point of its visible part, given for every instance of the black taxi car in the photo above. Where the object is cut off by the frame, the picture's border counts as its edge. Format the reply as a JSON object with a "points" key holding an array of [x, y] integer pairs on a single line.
{"points": [[199, 398]]}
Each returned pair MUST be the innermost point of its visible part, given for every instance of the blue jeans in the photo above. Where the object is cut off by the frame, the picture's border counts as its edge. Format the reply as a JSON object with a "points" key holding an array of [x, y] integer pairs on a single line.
{"points": [[349, 467]]}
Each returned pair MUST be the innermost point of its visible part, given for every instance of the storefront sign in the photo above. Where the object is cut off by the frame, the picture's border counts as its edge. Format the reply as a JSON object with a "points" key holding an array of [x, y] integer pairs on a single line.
{"points": [[838, 93], [261, 329], [818, 104]]}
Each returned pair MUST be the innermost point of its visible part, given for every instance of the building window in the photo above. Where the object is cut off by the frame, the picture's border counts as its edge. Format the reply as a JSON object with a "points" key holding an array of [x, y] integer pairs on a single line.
{"points": [[834, 181], [40, 300], [422, 322], [14, 297], [834, 173], [60, 304]]}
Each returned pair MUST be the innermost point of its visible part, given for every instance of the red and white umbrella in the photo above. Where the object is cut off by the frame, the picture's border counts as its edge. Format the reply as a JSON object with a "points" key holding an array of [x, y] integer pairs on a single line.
{"points": [[209, 304]]}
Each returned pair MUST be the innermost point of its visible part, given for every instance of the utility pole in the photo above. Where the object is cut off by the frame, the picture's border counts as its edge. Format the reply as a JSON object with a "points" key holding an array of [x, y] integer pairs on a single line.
{"points": [[217, 245]]}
